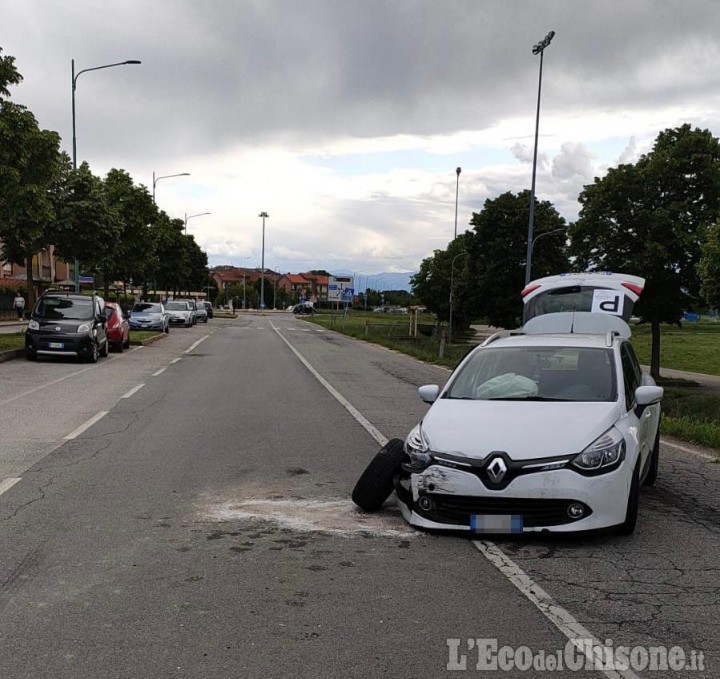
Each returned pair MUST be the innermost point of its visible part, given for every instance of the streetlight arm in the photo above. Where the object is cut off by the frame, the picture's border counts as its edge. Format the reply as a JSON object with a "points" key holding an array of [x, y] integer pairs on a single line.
{"points": [[97, 68]]}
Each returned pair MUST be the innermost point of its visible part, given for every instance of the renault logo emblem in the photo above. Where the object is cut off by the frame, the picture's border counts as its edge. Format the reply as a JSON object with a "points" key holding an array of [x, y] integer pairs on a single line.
{"points": [[496, 470]]}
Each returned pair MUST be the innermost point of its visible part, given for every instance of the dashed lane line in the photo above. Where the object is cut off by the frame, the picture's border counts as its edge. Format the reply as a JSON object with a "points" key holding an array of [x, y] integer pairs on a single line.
{"points": [[96, 417], [7, 484], [134, 390]]}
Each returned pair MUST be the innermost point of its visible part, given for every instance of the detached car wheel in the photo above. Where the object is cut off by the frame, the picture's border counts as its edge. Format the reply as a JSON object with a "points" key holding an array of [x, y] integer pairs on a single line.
{"points": [[376, 482]]}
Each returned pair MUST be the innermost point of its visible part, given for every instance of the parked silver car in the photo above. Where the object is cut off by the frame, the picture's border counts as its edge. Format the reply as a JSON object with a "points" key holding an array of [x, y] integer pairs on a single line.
{"points": [[149, 316], [180, 312]]}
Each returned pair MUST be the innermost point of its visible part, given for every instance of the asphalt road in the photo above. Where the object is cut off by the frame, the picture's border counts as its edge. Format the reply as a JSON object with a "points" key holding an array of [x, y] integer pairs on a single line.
{"points": [[201, 527]]}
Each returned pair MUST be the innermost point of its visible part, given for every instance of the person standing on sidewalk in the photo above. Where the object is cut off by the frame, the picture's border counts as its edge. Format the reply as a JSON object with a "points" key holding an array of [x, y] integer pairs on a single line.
{"points": [[19, 304]]}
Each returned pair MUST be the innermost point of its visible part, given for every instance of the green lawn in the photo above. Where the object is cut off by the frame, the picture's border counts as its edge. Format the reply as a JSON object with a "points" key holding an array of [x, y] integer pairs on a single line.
{"points": [[16, 340], [694, 347]]}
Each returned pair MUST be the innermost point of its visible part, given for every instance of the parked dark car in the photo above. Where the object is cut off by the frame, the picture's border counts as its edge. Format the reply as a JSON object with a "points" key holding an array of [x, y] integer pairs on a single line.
{"points": [[304, 308], [208, 308], [149, 316], [118, 328], [67, 324], [200, 313]]}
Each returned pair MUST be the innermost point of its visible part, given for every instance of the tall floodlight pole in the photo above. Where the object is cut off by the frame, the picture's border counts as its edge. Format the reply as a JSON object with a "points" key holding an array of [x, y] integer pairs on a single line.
{"points": [[74, 77], [457, 191], [264, 216], [537, 49], [166, 176]]}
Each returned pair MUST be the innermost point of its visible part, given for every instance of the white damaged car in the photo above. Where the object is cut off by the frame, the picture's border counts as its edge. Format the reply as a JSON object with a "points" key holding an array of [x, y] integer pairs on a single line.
{"points": [[551, 428]]}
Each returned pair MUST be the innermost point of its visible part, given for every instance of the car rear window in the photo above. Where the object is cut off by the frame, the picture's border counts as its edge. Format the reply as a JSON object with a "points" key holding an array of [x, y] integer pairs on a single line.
{"points": [[177, 306], [146, 307], [64, 308]]}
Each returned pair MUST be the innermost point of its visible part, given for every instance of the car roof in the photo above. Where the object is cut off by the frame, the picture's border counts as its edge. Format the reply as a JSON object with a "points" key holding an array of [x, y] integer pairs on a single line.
{"points": [[521, 339]]}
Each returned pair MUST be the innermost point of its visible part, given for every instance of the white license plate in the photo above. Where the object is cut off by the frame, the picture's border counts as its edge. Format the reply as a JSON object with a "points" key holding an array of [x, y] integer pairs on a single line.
{"points": [[56, 345], [496, 523]]}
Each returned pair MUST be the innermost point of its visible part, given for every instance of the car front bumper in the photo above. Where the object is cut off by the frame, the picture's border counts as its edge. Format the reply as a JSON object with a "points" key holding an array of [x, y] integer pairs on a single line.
{"points": [[66, 344], [450, 499]]}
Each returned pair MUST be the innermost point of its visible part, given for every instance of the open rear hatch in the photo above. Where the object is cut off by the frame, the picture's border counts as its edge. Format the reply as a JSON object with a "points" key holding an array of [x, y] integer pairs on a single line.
{"points": [[580, 302]]}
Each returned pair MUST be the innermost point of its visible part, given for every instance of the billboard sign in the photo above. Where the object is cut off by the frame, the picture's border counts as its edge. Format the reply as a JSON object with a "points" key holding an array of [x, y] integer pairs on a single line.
{"points": [[341, 289]]}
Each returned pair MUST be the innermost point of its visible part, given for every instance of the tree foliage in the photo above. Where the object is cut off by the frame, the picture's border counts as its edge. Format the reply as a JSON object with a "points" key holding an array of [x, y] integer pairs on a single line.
{"points": [[495, 273], [649, 219], [709, 266]]}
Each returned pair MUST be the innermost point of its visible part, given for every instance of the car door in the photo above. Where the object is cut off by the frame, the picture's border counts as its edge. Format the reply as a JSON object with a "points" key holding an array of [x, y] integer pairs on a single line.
{"points": [[648, 419]]}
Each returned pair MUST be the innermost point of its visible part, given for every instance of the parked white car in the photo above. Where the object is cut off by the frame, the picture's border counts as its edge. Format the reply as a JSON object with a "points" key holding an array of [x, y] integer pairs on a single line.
{"points": [[552, 428]]}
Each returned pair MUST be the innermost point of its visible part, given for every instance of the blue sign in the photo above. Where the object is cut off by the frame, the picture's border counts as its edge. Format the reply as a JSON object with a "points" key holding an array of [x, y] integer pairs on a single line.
{"points": [[347, 295]]}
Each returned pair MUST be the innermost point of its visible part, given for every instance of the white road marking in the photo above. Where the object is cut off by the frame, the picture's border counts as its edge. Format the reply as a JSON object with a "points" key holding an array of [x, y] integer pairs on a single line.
{"points": [[159, 372], [7, 484], [563, 620], [192, 346], [690, 451], [134, 390], [87, 425], [175, 360], [361, 419]]}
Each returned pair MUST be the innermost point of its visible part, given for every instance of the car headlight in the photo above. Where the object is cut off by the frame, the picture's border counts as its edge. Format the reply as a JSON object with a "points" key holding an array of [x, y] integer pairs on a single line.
{"points": [[83, 328], [33, 325], [418, 449], [602, 455]]}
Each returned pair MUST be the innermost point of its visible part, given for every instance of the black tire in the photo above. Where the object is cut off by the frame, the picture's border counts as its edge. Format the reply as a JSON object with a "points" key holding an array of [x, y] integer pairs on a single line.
{"points": [[94, 353], [376, 482], [126, 343], [30, 355], [105, 349], [627, 527], [119, 347], [167, 329], [652, 474]]}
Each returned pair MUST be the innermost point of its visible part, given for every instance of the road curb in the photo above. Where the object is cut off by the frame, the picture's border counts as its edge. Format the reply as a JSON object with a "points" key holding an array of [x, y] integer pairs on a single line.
{"points": [[11, 354]]}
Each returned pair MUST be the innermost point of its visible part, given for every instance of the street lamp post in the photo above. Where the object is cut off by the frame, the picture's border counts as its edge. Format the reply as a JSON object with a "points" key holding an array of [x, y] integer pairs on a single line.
{"points": [[166, 176], [452, 279], [188, 217], [540, 235], [264, 216], [74, 77], [457, 191], [537, 49]]}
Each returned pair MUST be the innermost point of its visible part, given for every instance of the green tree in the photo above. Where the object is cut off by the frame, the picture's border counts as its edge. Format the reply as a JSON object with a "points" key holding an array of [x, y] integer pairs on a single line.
{"points": [[495, 273], [649, 219], [135, 212], [709, 266], [431, 285], [87, 228], [8, 75], [29, 169]]}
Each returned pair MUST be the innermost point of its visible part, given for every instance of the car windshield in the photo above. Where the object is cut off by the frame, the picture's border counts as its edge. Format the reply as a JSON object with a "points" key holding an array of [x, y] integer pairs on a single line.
{"points": [[64, 308], [536, 374], [146, 308], [177, 306]]}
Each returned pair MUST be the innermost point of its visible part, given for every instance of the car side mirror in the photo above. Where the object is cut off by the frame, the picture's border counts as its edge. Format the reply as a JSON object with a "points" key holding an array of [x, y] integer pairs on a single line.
{"points": [[429, 393], [645, 396]]}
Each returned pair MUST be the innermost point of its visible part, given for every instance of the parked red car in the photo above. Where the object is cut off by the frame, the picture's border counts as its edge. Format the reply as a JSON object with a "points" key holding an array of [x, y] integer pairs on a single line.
{"points": [[118, 330]]}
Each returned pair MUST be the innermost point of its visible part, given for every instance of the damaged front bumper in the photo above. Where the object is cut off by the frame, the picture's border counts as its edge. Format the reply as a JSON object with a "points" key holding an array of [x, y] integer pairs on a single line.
{"points": [[559, 500]]}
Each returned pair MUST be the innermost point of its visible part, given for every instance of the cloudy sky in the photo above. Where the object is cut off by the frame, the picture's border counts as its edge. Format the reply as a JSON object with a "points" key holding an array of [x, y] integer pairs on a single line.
{"points": [[345, 119]]}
